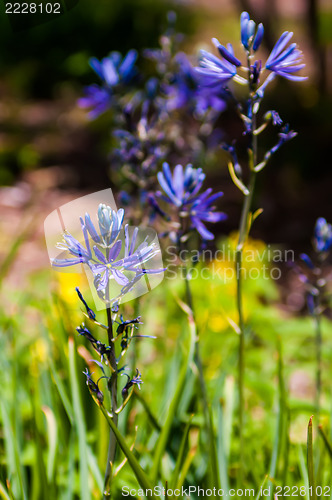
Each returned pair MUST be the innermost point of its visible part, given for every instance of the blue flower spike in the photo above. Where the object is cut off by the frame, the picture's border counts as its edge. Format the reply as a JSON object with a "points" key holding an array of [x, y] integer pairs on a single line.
{"points": [[182, 190]]}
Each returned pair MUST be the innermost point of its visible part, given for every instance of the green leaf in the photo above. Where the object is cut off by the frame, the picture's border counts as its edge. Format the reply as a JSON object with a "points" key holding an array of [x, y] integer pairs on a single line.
{"points": [[3, 493], [173, 405], [52, 432], [62, 392], [310, 463], [180, 457], [142, 478], [325, 440], [79, 424], [12, 452]]}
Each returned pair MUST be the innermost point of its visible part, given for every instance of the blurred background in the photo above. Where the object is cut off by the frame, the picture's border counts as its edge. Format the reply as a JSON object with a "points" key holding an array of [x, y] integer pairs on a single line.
{"points": [[50, 152]]}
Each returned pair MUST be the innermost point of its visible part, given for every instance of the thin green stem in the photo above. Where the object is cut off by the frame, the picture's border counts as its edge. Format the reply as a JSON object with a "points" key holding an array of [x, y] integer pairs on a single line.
{"points": [[112, 386], [318, 341], [239, 303], [243, 233], [141, 477]]}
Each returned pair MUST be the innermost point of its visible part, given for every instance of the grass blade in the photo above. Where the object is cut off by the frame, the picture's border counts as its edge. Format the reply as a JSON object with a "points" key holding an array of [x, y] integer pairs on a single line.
{"points": [[180, 456], [12, 453], [325, 440], [142, 478], [3, 493], [166, 428], [69, 493], [310, 463], [94, 468], [52, 432], [80, 425], [221, 450], [280, 417], [62, 393]]}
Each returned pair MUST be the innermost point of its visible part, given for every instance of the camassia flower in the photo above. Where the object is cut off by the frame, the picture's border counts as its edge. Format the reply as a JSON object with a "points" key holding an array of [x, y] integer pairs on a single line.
{"points": [[182, 190], [114, 72], [114, 69], [110, 258], [284, 60]]}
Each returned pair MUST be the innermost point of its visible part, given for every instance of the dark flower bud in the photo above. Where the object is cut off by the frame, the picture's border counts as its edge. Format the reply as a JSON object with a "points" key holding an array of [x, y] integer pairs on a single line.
{"points": [[89, 311], [97, 395], [136, 380], [86, 333], [125, 324]]}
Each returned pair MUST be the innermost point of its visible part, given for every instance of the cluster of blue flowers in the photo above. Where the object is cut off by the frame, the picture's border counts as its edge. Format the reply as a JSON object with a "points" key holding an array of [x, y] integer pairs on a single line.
{"points": [[150, 115], [115, 74], [182, 190], [283, 61], [202, 91], [110, 258]]}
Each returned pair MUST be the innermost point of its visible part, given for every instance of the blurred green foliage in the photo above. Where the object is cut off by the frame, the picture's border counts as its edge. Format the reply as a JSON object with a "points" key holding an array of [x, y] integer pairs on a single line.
{"points": [[53, 440]]}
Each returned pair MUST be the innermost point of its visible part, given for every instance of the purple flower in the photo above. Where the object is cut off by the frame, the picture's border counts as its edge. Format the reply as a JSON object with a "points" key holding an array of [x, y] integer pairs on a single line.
{"points": [[322, 235], [203, 211], [82, 255], [274, 117], [182, 190], [285, 135], [184, 90], [285, 61], [96, 98], [214, 71], [111, 259], [113, 72], [110, 224], [107, 267]]}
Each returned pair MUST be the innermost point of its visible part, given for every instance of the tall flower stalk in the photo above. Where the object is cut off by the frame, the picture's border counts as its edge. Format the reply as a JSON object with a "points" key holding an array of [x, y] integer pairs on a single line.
{"points": [[123, 262], [214, 72], [113, 388], [191, 209]]}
